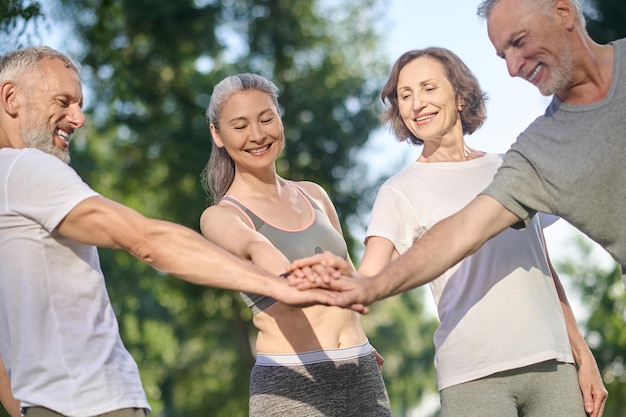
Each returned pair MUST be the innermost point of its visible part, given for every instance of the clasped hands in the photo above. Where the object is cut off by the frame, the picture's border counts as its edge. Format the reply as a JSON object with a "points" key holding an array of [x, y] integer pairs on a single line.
{"points": [[331, 272]]}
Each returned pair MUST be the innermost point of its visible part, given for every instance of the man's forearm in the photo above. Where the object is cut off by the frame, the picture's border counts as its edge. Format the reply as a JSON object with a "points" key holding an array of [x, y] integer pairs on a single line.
{"points": [[188, 255], [443, 246]]}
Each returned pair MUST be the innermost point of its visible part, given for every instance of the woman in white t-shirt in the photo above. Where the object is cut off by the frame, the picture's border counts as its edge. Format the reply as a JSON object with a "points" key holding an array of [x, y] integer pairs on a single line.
{"points": [[508, 342]]}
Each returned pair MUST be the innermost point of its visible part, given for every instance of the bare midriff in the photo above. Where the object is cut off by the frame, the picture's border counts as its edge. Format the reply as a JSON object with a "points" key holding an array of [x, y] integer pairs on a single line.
{"points": [[284, 329]]}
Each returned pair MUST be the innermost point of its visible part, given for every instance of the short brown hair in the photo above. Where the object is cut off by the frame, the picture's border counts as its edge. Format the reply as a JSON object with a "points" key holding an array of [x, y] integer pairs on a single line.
{"points": [[465, 85]]}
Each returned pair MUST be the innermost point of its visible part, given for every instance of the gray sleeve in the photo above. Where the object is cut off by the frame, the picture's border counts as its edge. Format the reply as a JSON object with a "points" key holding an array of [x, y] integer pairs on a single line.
{"points": [[519, 188]]}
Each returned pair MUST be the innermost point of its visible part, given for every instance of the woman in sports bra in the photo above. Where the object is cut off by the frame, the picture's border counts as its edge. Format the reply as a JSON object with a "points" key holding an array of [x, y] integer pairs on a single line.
{"points": [[313, 361]]}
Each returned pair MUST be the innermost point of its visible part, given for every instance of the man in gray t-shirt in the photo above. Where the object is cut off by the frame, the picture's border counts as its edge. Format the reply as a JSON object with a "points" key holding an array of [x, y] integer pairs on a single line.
{"points": [[568, 162]]}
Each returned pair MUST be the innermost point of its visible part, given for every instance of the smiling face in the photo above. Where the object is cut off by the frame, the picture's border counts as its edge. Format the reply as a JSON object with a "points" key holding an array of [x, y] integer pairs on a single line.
{"points": [[250, 129], [532, 37], [53, 108], [427, 102]]}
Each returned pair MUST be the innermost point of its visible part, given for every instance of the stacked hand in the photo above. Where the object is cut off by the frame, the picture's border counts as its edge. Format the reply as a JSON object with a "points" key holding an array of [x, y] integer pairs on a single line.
{"points": [[331, 272]]}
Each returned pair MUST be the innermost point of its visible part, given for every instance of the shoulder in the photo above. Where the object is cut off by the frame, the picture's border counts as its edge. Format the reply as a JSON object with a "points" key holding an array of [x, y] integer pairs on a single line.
{"points": [[318, 194], [313, 189], [409, 176], [34, 159], [223, 217], [220, 212], [42, 176]]}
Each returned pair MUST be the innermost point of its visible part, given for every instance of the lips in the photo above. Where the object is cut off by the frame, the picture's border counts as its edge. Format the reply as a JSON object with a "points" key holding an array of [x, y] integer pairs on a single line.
{"points": [[424, 117], [533, 75], [63, 136], [259, 150]]}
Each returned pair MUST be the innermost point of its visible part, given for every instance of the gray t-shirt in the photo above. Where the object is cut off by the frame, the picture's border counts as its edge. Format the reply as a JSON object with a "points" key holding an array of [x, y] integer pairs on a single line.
{"points": [[570, 162]]}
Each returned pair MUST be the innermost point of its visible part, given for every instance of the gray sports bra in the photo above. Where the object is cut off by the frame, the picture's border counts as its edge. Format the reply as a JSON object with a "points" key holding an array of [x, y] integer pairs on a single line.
{"points": [[318, 236]]}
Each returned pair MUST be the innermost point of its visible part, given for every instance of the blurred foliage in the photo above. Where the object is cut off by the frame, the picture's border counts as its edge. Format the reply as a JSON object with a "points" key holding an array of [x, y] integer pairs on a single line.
{"points": [[15, 18], [148, 70], [401, 329], [606, 19], [150, 66], [602, 291]]}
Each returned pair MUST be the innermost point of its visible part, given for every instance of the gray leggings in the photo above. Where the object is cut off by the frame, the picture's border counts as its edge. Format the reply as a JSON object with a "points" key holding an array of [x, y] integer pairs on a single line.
{"points": [[544, 389], [344, 388], [125, 412]]}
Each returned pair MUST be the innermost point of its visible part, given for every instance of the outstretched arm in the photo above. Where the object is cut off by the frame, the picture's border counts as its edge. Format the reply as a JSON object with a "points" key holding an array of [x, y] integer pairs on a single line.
{"points": [[444, 245], [6, 397], [378, 253], [176, 250], [589, 378]]}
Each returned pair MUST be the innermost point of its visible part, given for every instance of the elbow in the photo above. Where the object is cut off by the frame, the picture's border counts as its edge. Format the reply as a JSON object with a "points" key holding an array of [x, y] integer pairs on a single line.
{"points": [[144, 251]]}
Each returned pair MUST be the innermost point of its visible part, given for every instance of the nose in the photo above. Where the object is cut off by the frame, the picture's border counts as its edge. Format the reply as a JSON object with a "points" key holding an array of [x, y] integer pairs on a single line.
{"points": [[417, 104], [513, 63], [75, 116], [256, 132]]}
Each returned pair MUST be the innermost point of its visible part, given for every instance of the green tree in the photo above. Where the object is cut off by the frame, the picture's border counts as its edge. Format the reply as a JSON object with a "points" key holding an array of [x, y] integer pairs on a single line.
{"points": [[16, 16], [603, 295], [148, 68], [603, 289], [606, 20], [401, 329]]}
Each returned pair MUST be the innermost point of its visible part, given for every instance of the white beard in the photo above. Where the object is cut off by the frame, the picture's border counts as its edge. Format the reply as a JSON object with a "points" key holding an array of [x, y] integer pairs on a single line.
{"points": [[43, 139]]}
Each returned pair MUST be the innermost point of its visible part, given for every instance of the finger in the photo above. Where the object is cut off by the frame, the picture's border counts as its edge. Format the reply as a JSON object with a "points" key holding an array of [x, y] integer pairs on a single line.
{"points": [[596, 408], [359, 308], [303, 273], [299, 283], [588, 400], [600, 403], [324, 273], [310, 274], [306, 262]]}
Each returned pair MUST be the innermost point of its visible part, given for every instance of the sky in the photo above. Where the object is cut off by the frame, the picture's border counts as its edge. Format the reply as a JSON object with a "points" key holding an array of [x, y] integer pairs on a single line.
{"points": [[512, 103]]}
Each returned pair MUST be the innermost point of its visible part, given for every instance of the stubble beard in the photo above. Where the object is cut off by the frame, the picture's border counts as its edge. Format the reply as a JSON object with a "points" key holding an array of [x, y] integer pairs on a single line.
{"points": [[560, 74], [43, 139]]}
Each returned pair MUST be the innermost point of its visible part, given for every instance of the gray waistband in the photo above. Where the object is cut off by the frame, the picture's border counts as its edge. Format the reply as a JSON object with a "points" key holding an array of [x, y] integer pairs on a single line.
{"points": [[316, 356]]}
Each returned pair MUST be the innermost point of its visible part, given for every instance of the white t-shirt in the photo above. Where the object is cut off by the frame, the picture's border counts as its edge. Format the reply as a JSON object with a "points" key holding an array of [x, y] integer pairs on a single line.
{"points": [[499, 309], [59, 337]]}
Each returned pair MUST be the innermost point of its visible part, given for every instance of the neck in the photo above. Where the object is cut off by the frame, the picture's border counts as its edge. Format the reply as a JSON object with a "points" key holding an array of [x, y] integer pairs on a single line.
{"points": [[457, 153], [10, 138], [595, 76], [248, 184]]}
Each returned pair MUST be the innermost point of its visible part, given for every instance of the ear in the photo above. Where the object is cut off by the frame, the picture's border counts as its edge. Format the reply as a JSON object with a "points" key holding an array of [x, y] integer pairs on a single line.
{"points": [[8, 98], [216, 136], [566, 14]]}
